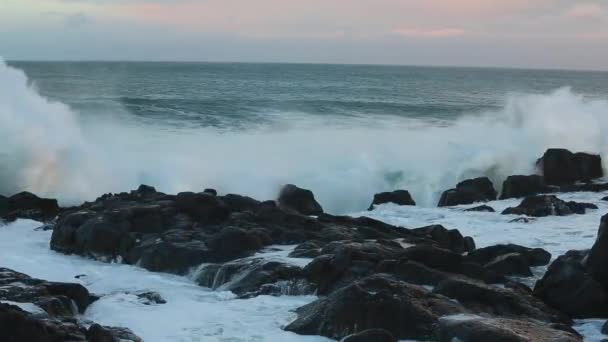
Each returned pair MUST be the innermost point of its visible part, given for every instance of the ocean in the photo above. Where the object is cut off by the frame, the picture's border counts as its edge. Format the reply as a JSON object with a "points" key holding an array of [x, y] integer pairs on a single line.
{"points": [[76, 130], [344, 131]]}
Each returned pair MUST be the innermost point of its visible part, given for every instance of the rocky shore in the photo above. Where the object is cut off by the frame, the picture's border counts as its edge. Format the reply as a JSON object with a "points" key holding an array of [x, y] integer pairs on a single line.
{"points": [[374, 281]]}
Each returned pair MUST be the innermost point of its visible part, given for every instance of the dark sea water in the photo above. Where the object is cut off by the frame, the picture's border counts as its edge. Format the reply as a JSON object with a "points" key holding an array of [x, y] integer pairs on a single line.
{"points": [[345, 131]]}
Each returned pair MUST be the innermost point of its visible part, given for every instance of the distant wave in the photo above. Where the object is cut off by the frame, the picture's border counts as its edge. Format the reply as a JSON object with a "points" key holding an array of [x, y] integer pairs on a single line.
{"points": [[51, 149]]}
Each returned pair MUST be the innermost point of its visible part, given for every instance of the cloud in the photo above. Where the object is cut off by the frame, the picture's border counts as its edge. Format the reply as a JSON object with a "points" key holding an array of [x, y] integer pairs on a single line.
{"points": [[429, 33], [586, 11]]}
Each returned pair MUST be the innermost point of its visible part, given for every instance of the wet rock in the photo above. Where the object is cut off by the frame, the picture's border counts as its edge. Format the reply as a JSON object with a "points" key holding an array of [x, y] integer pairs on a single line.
{"points": [[546, 205], [28, 206], [534, 256], [210, 191], [300, 200], [515, 302], [371, 335], [203, 207], [523, 186], [251, 277], [472, 328], [469, 191], [482, 208], [597, 261], [19, 325], [406, 311], [445, 238], [309, 249], [98, 333], [569, 286], [236, 203], [399, 197], [150, 297], [560, 166], [512, 264]]}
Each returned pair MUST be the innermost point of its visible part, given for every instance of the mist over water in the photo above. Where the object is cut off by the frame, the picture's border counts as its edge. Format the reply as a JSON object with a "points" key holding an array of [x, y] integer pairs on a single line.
{"points": [[77, 152]]}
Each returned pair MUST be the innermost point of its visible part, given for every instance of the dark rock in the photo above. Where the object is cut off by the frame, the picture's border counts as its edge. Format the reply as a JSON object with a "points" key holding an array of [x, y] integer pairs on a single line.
{"points": [[469, 191], [546, 205], [569, 286], [505, 302], [534, 256], [232, 243], [28, 206], [98, 333], [18, 325], [406, 311], [300, 200], [521, 220], [471, 328], [446, 238], [203, 207], [309, 249], [605, 328], [513, 264], [210, 191], [400, 197], [523, 186], [240, 203], [150, 297], [371, 335], [597, 261], [560, 166], [482, 208], [248, 277]]}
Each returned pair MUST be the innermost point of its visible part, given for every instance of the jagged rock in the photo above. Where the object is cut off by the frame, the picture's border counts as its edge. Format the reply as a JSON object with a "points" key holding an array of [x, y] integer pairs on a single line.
{"points": [[482, 208], [406, 311], [308, 249], [19, 325], [569, 286], [523, 186], [203, 207], [98, 333], [534, 256], [251, 277], [513, 264], [343, 262], [546, 205], [447, 238], [371, 335], [150, 297], [28, 206], [597, 260], [560, 166], [472, 328], [400, 197], [514, 302], [300, 200], [469, 191]]}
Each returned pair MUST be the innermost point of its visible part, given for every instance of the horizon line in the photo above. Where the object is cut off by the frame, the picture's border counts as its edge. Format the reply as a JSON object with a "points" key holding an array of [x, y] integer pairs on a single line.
{"points": [[305, 63]]}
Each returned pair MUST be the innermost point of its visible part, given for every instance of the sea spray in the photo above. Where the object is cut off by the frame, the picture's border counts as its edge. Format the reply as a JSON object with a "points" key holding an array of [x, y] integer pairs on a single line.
{"points": [[51, 149]]}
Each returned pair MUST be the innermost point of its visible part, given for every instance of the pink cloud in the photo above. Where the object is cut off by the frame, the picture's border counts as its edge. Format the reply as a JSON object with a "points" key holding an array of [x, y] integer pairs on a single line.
{"points": [[429, 33], [586, 11]]}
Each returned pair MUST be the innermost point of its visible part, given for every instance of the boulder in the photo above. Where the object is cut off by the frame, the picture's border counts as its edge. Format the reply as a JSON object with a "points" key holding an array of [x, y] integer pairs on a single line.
{"points": [[513, 264], [560, 166], [534, 256], [473, 328], [569, 286], [406, 311], [469, 191], [371, 335], [482, 208], [28, 206], [546, 205], [98, 333], [523, 186], [445, 238], [251, 277], [597, 261], [399, 197], [513, 302], [204, 207], [299, 200]]}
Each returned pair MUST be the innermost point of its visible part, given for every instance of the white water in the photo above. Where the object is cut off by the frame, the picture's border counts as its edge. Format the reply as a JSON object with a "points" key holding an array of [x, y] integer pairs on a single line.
{"points": [[51, 150]]}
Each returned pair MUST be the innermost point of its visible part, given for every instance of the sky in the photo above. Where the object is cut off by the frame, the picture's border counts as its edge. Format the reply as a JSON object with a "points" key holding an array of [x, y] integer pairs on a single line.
{"points": [[565, 34]]}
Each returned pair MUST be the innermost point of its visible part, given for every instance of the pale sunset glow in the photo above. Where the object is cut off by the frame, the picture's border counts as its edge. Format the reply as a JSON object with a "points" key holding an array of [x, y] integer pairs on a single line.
{"points": [[518, 33]]}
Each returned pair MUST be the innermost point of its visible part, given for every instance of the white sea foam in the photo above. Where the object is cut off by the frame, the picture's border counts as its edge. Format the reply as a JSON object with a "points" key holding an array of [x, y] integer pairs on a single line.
{"points": [[52, 150], [192, 313]]}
